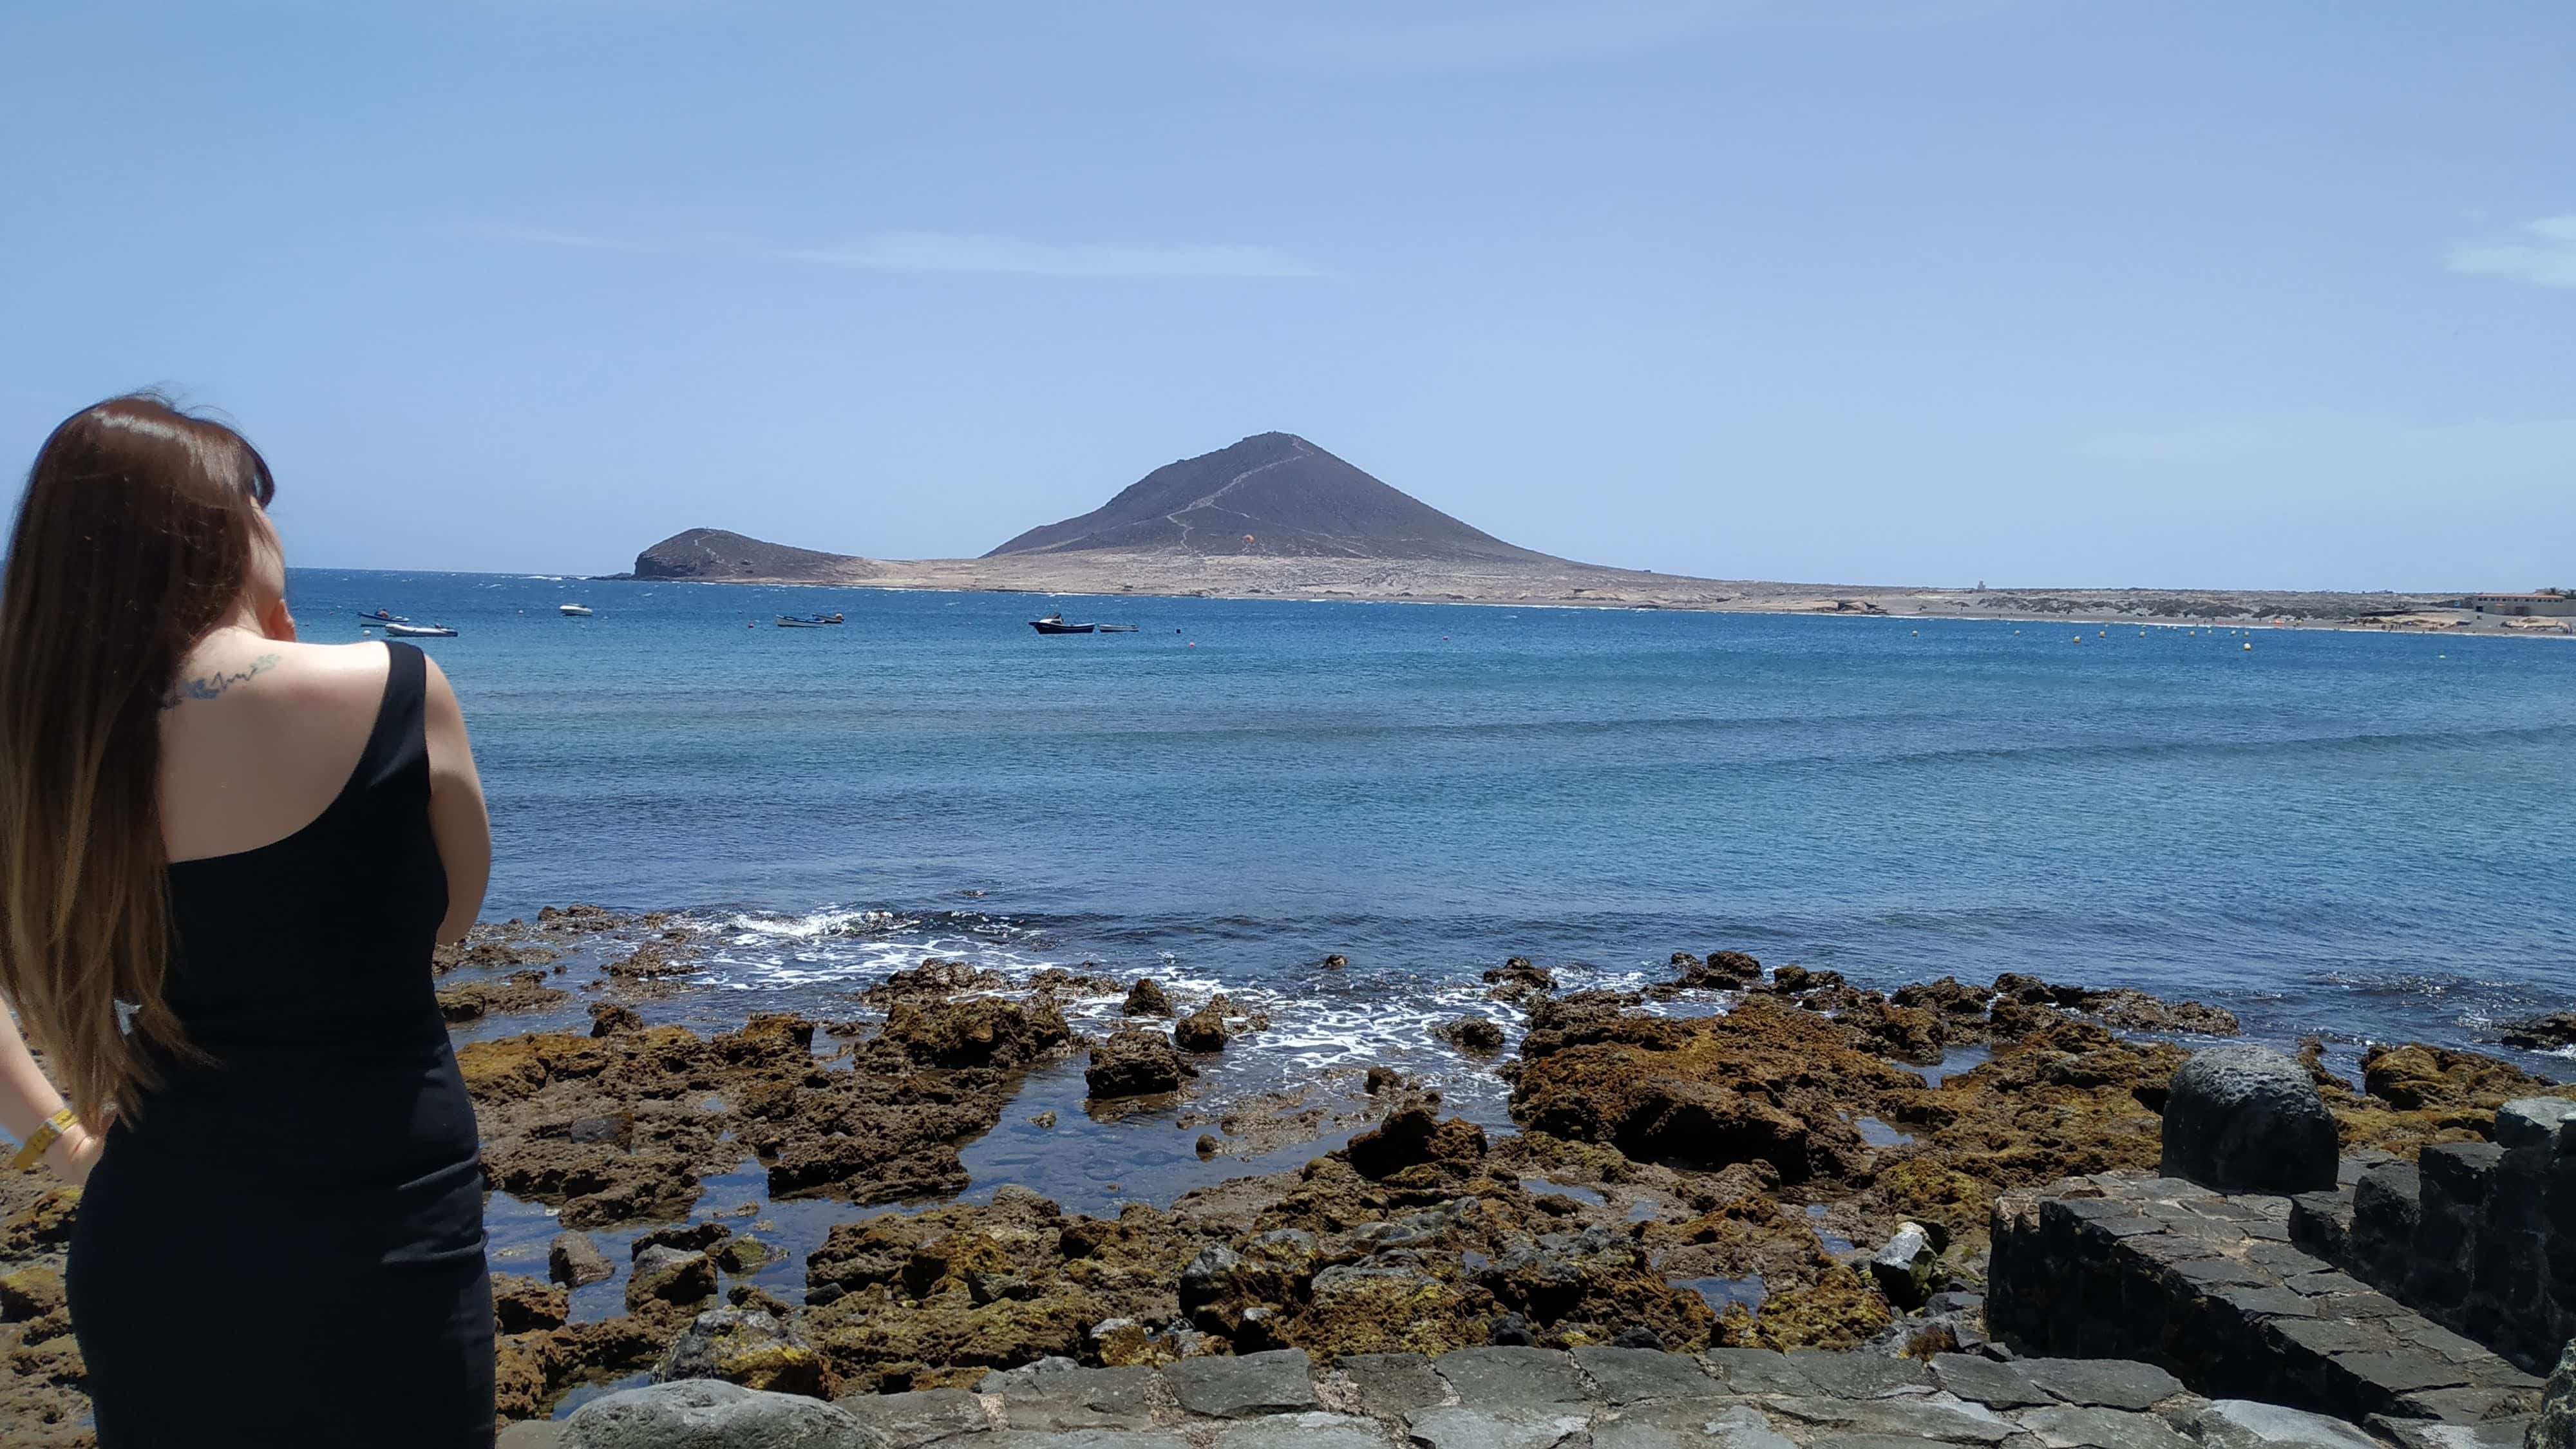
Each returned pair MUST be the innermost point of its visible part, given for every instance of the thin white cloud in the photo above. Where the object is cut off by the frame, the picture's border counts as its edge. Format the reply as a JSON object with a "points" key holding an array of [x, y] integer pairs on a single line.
{"points": [[922, 251], [2542, 251]]}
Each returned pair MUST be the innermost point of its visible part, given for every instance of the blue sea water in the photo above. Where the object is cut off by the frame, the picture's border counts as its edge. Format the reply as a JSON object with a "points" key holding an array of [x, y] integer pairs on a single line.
{"points": [[2360, 835]]}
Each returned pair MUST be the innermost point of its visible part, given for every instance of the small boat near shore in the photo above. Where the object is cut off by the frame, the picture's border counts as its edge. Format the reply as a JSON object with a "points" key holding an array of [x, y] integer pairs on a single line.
{"points": [[1117, 628], [419, 631], [574, 611], [382, 617], [809, 621], [1055, 624]]}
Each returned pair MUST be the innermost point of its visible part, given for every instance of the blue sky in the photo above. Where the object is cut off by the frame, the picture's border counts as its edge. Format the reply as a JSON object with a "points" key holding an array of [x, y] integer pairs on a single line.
{"points": [[2033, 293]]}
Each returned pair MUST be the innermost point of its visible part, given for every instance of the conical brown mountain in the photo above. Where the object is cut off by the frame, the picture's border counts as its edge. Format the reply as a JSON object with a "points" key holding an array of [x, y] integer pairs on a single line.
{"points": [[1272, 494]]}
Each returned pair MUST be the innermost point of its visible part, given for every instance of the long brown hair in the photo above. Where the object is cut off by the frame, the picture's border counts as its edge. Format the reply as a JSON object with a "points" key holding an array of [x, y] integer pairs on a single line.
{"points": [[135, 538]]}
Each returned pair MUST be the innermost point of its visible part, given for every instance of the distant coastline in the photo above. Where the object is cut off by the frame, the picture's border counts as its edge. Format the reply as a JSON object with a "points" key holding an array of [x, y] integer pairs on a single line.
{"points": [[1561, 584]]}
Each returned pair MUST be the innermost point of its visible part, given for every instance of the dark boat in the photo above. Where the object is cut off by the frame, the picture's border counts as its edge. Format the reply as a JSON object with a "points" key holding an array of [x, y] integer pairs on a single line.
{"points": [[381, 617], [1055, 624], [1117, 628], [811, 621]]}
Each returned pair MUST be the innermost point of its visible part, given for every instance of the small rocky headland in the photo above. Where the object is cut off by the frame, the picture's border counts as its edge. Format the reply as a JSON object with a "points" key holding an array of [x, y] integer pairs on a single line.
{"points": [[1742, 1206]]}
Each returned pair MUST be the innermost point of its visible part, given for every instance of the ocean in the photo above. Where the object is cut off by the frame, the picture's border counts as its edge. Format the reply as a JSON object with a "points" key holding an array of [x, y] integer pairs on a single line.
{"points": [[2365, 836], [2361, 836]]}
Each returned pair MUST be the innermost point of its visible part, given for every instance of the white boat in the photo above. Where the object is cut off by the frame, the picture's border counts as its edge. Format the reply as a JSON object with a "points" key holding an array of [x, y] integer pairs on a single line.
{"points": [[574, 611], [419, 631]]}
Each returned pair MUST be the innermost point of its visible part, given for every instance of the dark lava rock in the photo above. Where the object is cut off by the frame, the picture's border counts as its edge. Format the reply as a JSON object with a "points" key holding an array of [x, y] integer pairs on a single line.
{"points": [[1475, 1034], [668, 1275], [574, 1260], [1794, 978], [518, 991], [1336, 962], [1134, 1062], [1899, 1033], [1384, 1079], [2248, 1119], [1146, 998], [709, 1412], [1200, 1031], [607, 1018], [1412, 1135], [524, 1305], [688, 1238], [2541, 1033], [981, 1032], [1517, 978], [744, 1346], [933, 980]]}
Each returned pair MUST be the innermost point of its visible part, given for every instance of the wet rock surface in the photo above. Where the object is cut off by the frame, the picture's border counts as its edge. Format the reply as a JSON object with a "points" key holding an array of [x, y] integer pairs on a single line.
{"points": [[1702, 1184]]}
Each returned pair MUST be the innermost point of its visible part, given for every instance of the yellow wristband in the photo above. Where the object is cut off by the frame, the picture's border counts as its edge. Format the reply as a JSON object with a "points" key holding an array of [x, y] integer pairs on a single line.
{"points": [[32, 1151]]}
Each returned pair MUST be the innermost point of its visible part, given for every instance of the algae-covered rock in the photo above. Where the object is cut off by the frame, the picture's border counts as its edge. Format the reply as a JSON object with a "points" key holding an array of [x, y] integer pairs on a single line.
{"points": [[1765, 1081], [520, 1305], [1200, 1031], [747, 1347], [41, 1225], [1413, 1135], [979, 1032], [1134, 1062], [670, 1275], [30, 1293]]}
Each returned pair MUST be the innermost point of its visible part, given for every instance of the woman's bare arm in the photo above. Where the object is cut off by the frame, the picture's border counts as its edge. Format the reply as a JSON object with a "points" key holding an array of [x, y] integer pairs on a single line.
{"points": [[456, 814], [27, 1099]]}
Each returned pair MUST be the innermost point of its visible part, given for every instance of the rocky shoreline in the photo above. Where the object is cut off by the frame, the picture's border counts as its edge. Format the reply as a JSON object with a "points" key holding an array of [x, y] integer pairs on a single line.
{"points": [[773, 1203]]}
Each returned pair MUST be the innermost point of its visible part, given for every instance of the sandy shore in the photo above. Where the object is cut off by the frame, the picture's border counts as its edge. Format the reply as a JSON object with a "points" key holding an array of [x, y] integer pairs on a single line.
{"points": [[1574, 585]]}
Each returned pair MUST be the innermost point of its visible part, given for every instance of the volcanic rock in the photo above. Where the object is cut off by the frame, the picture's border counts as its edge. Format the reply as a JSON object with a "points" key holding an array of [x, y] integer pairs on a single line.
{"points": [[1201, 1031], [1475, 1033], [711, 554], [1134, 1062], [744, 1346], [1271, 494], [704, 1412], [1146, 998], [2548, 1033], [519, 991], [1413, 1135], [2248, 1119], [573, 1260]]}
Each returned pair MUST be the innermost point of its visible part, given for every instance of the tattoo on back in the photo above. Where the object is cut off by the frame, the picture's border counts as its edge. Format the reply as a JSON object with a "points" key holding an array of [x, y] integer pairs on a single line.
{"points": [[209, 686]]}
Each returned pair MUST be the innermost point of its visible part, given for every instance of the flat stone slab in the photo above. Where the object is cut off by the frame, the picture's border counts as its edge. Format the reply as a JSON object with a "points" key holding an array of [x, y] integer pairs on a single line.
{"points": [[1642, 1375], [1505, 1378], [1532, 1427], [1062, 1400], [2068, 1427], [2244, 1424], [2426, 1434], [1984, 1381], [1954, 1422], [1757, 1371], [1306, 1431], [1277, 1382], [1391, 1384], [1085, 1439], [1688, 1424], [909, 1421], [530, 1434], [1860, 1375], [2104, 1383]]}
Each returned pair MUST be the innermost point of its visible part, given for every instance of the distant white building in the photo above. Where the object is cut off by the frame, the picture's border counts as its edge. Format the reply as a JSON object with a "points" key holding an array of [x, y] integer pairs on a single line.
{"points": [[2557, 606]]}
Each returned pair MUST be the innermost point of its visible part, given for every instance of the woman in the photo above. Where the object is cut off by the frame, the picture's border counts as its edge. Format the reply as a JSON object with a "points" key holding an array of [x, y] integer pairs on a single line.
{"points": [[225, 858]]}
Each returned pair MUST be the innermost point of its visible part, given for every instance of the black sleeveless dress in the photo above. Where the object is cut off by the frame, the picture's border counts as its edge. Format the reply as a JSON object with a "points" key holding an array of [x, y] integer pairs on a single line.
{"points": [[285, 1247]]}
